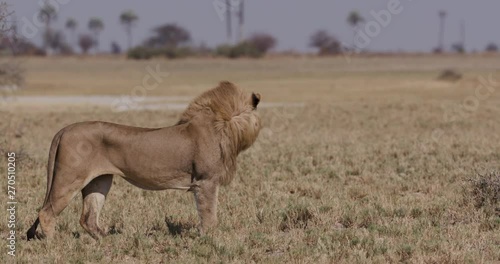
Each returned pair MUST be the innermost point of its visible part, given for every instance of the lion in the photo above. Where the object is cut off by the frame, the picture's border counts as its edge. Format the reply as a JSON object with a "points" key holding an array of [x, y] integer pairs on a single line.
{"points": [[198, 154]]}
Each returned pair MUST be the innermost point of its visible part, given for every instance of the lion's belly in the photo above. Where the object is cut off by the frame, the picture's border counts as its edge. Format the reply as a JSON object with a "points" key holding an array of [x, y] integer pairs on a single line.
{"points": [[159, 182]]}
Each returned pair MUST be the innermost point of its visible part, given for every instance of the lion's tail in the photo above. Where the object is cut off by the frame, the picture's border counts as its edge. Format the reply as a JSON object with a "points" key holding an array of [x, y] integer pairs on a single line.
{"points": [[52, 163], [32, 231], [50, 177]]}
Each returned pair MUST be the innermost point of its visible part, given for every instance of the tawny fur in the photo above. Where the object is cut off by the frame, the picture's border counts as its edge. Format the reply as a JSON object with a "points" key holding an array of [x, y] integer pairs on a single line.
{"points": [[197, 154]]}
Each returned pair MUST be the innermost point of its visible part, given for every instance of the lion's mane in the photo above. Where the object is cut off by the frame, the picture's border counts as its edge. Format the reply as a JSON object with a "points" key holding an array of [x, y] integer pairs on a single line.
{"points": [[234, 120]]}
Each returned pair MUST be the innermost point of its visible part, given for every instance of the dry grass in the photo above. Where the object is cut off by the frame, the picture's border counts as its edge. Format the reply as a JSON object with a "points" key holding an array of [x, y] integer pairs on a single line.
{"points": [[353, 177]]}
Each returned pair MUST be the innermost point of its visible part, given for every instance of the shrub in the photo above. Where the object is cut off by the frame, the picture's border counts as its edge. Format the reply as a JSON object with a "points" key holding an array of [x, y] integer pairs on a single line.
{"points": [[145, 53], [202, 50], [458, 48], [115, 48], [485, 190], [140, 53], [21, 47], [223, 50], [245, 49], [449, 75], [262, 42], [295, 216], [325, 43], [85, 42], [492, 47], [175, 53], [171, 35]]}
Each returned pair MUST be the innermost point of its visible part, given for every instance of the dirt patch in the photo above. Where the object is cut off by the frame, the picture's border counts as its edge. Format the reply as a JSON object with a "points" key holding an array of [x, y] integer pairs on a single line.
{"points": [[116, 103]]}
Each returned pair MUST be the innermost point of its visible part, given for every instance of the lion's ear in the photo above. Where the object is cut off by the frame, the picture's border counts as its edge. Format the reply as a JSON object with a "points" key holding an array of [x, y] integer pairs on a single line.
{"points": [[255, 100]]}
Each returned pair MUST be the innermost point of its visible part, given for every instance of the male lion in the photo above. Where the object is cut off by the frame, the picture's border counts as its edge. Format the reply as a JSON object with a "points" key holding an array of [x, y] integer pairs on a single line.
{"points": [[197, 154]]}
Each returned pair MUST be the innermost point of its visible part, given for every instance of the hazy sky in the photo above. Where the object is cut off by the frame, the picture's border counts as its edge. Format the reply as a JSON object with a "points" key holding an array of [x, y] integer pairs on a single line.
{"points": [[415, 28]]}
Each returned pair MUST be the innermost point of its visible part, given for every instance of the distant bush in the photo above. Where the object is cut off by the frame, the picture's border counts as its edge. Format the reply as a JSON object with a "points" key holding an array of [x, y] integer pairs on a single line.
{"points": [[65, 49], [20, 46], [145, 53], [449, 75], [243, 49], [175, 53], [262, 42], [325, 43], [492, 47], [437, 50], [172, 41], [140, 53], [223, 50], [458, 48], [85, 42], [254, 47], [203, 50], [168, 35], [115, 48]]}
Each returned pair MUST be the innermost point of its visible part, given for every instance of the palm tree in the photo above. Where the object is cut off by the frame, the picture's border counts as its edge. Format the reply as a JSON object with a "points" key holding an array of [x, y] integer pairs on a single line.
{"points": [[71, 25], [442, 18], [354, 19], [47, 14], [241, 17], [228, 21], [96, 26], [128, 19]]}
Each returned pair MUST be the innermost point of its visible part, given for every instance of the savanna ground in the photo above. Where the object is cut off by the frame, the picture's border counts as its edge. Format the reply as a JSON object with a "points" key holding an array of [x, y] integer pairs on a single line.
{"points": [[373, 168]]}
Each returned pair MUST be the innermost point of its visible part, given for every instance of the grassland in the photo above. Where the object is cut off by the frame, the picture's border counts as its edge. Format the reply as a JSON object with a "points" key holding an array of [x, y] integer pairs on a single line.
{"points": [[373, 169]]}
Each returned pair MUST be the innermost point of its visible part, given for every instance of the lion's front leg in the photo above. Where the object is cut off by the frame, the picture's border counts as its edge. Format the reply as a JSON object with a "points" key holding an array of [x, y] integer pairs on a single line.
{"points": [[205, 194]]}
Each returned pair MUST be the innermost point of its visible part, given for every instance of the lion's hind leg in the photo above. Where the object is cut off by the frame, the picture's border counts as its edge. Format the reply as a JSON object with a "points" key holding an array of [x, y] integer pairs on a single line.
{"points": [[58, 198], [94, 195]]}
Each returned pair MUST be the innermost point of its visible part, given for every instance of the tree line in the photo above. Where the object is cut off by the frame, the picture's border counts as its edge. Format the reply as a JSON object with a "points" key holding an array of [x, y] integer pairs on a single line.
{"points": [[174, 41], [55, 41]]}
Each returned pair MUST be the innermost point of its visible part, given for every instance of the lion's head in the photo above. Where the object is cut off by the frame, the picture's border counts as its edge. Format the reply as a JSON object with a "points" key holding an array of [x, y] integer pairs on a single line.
{"points": [[234, 116]]}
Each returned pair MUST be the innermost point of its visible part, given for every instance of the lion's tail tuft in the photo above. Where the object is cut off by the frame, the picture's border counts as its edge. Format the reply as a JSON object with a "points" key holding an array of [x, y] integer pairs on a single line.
{"points": [[32, 231]]}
